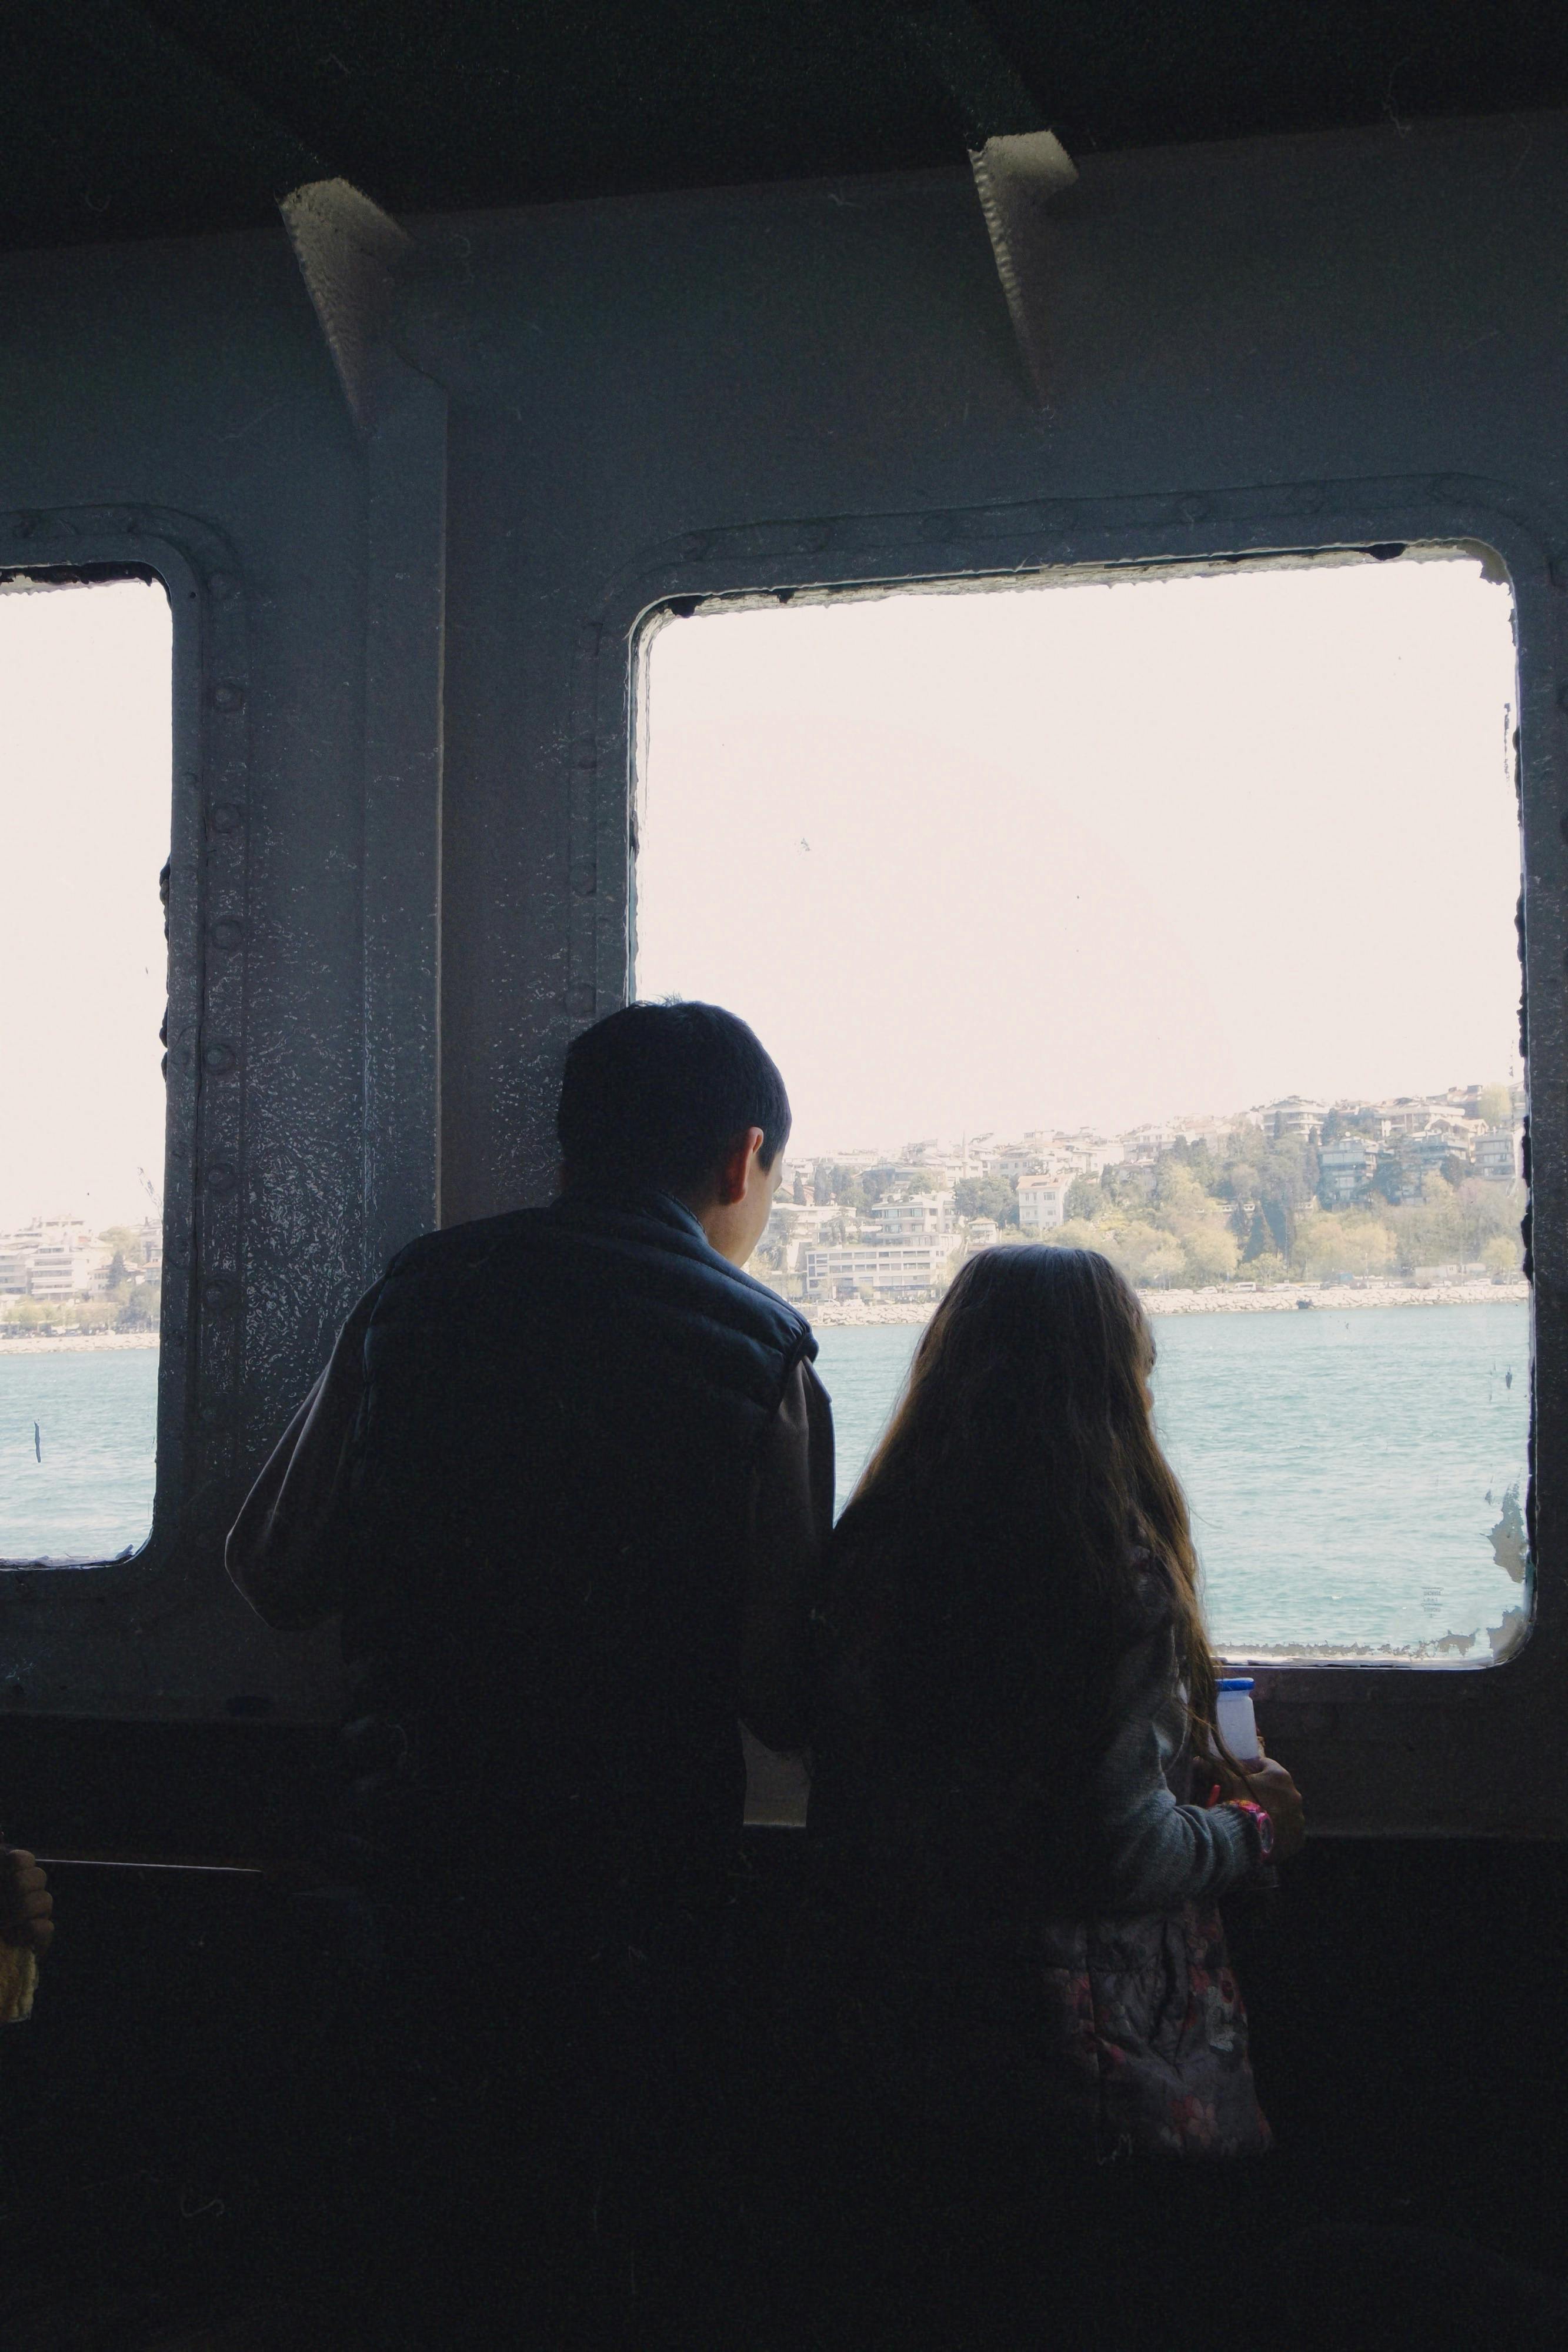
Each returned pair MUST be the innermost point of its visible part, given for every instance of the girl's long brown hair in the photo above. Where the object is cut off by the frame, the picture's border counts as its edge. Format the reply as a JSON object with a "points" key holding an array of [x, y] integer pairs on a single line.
{"points": [[1019, 1526]]}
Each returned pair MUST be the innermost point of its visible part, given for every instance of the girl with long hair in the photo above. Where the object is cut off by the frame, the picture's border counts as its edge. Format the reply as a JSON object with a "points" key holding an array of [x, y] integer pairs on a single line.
{"points": [[1017, 1709]]}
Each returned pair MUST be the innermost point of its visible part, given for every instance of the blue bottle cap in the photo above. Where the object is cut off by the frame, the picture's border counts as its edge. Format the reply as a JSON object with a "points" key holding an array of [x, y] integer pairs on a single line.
{"points": [[1234, 1682]]}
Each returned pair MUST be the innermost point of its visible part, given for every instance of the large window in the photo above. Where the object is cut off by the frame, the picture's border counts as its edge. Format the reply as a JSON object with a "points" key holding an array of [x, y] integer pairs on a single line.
{"points": [[84, 797], [1171, 915]]}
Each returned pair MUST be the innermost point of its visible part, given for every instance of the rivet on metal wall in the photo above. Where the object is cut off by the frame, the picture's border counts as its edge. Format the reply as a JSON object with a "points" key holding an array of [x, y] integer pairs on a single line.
{"points": [[225, 817], [219, 1295], [584, 878], [220, 1176], [227, 696], [218, 1059], [227, 932]]}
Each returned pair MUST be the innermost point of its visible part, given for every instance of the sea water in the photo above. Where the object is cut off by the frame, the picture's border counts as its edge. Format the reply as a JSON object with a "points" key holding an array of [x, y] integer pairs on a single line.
{"points": [[1356, 1479], [77, 1430]]}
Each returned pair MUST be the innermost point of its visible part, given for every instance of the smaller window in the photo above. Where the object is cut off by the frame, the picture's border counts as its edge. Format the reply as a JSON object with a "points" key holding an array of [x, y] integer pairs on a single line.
{"points": [[85, 759]]}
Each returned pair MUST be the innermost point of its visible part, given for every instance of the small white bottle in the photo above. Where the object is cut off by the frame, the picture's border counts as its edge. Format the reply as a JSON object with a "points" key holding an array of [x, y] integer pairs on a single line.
{"points": [[1234, 1719]]}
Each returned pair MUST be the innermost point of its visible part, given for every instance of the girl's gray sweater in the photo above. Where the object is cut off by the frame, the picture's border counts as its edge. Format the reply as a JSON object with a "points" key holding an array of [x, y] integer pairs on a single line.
{"points": [[1156, 1852]]}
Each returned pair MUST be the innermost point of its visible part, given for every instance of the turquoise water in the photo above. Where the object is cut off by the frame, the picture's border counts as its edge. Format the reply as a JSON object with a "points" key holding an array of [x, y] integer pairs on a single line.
{"points": [[91, 1495], [1346, 1471]]}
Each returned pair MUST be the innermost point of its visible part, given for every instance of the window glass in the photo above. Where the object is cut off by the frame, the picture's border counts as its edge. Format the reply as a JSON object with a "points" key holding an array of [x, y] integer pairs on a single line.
{"points": [[84, 754], [1170, 915]]}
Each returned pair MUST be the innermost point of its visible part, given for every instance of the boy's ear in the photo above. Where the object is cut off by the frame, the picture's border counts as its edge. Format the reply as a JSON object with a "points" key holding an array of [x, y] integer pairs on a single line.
{"points": [[735, 1165]]}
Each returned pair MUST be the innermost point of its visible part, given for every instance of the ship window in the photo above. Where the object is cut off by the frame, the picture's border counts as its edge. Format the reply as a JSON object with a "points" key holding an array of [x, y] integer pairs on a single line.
{"points": [[85, 751], [1192, 894]]}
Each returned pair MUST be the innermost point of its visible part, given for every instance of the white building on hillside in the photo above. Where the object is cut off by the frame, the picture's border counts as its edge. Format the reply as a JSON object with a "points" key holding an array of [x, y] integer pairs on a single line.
{"points": [[920, 1216], [1011, 1162], [1295, 1117], [1042, 1203]]}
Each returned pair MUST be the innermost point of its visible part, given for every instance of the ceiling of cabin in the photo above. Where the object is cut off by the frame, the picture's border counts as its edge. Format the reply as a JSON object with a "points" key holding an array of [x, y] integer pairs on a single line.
{"points": [[151, 117]]}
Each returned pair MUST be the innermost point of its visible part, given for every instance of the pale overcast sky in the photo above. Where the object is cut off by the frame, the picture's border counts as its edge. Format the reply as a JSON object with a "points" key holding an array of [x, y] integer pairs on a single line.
{"points": [[85, 791], [1048, 857], [1094, 855]]}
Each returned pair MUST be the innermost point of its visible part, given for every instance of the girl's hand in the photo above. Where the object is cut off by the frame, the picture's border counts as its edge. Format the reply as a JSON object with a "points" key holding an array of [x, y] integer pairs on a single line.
{"points": [[25, 1902], [1269, 1785]]}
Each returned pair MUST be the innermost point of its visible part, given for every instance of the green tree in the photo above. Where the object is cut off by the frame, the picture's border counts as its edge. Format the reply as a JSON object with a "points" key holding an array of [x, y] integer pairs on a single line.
{"points": [[921, 1179], [1259, 1239], [1085, 1196], [1076, 1232], [987, 1196], [1495, 1104], [1500, 1255], [1210, 1255]]}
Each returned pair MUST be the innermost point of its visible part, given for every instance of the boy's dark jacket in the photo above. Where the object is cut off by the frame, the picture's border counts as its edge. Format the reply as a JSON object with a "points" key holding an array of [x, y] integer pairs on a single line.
{"points": [[548, 1509]]}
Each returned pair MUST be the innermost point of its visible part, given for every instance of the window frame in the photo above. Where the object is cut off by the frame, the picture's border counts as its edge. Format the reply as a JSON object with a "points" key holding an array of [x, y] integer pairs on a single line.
{"points": [[1384, 1746], [200, 1334]]}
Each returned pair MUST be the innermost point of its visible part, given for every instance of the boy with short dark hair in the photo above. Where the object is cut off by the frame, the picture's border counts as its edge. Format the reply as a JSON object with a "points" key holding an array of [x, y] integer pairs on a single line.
{"points": [[567, 1472], [564, 1481]]}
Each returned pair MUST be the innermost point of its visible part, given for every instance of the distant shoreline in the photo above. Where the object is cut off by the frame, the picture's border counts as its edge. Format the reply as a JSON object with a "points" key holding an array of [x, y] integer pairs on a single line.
{"points": [[852, 1314], [95, 1343]]}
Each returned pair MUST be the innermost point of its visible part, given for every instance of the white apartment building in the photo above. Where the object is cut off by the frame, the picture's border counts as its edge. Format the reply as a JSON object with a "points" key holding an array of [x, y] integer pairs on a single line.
{"points": [[52, 1262], [1404, 1116], [1295, 1117], [921, 1216], [1042, 1203], [911, 1269], [63, 1269], [1010, 1163]]}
